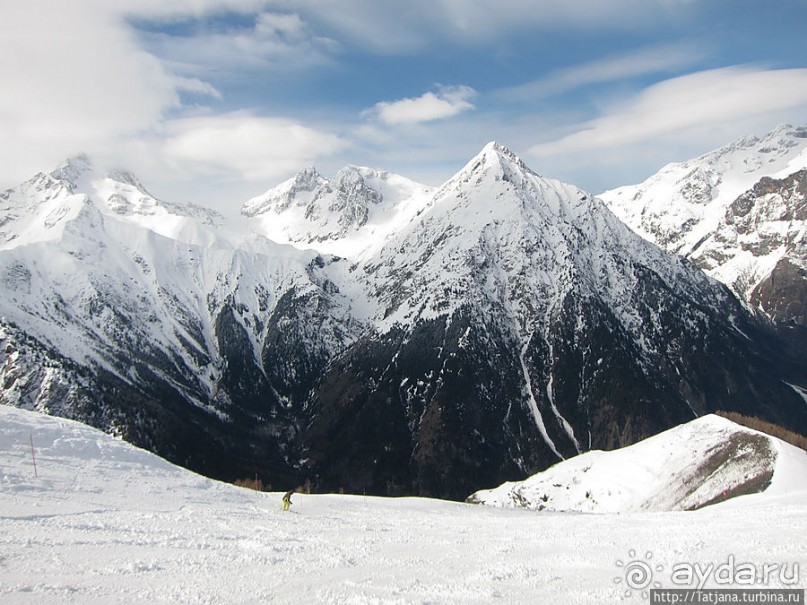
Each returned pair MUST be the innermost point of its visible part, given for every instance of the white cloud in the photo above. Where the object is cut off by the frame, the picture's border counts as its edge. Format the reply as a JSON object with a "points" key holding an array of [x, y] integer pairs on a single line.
{"points": [[75, 80], [60, 92], [160, 9], [492, 17], [281, 42], [652, 60], [240, 145], [447, 102], [705, 99], [389, 27], [273, 25]]}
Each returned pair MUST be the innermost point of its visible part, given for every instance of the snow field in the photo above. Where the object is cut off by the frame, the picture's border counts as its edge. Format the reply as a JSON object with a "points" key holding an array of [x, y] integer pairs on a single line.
{"points": [[107, 523]]}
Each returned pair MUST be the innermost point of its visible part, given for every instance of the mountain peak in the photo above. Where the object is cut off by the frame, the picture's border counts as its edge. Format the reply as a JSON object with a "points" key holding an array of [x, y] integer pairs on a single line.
{"points": [[734, 212], [307, 179], [495, 163], [777, 143], [298, 188], [788, 130], [500, 153], [73, 169], [493, 157], [351, 188], [496, 147]]}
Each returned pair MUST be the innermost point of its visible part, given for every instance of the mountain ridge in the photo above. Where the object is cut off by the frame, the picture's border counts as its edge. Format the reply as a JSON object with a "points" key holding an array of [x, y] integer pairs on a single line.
{"points": [[447, 338], [689, 208]]}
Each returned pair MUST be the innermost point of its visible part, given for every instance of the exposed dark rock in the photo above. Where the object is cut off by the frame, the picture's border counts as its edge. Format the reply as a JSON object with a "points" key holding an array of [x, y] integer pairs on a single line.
{"points": [[782, 295]]}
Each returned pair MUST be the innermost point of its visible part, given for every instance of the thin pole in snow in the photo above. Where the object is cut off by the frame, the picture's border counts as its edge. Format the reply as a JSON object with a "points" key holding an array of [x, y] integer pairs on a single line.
{"points": [[33, 455]]}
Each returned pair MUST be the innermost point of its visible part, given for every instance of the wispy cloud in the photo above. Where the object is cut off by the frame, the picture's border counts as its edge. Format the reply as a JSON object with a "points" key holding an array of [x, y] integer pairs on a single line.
{"points": [[707, 98], [447, 102], [491, 18], [418, 24], [641, 62], [281, 42]]}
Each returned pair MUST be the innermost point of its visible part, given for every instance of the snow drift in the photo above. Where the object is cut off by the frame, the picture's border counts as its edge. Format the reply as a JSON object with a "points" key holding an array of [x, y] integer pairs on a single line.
{"points": [[703, 462]]}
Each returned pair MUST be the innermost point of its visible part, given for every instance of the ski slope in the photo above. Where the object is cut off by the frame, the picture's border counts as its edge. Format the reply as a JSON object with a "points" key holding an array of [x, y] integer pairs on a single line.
{"points": [[103, 522]]}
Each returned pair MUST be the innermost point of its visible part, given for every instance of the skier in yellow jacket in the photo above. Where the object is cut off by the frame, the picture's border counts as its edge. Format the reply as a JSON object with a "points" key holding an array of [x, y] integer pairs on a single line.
{"points": [[287, 499]]}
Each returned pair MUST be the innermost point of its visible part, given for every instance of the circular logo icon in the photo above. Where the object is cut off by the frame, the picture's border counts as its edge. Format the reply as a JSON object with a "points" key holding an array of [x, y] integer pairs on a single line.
{"points": [[637, 573]]}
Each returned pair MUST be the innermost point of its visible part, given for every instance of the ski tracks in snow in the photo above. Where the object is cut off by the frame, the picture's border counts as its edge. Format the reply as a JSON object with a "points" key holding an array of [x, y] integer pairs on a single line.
{"points": [[106, 523]]}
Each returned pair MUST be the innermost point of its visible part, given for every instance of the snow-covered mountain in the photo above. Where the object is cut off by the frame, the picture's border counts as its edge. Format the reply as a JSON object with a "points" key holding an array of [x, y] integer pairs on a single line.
{"points": [[356, 210], [149, 319], [760, 248], [519, 323], [394, 339], [738, 212], [684, 202], [100, 521], [703, 462]]}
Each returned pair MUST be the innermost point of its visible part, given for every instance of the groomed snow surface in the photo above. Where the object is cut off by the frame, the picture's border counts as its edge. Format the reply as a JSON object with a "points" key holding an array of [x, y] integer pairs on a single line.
{"points": [[104, 522]]}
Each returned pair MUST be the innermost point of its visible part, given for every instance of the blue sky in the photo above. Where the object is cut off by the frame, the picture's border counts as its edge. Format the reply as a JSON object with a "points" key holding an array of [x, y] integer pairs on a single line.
{"points": [[214, 101]]}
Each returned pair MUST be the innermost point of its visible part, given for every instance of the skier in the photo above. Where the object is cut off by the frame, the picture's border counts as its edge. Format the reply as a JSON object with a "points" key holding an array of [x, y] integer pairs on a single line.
{"points": [[287, 499]]}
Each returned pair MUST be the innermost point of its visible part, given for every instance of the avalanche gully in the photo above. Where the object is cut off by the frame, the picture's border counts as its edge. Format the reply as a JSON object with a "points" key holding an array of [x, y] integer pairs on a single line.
{"points": [[367, 332]]}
